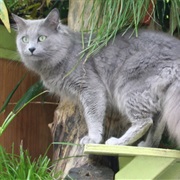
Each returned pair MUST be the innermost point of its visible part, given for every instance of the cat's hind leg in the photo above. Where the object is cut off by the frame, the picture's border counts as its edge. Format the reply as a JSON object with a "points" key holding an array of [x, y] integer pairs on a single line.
{"points": [[139, 108], [154, 135], [138, 128]]}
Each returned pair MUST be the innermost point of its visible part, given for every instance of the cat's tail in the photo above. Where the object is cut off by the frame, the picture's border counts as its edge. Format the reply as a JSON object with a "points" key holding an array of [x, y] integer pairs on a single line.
{"points": [[171, 113]]}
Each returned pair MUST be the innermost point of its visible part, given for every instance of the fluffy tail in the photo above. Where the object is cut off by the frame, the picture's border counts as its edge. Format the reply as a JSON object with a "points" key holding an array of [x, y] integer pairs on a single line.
{"points": [[171, 112]]}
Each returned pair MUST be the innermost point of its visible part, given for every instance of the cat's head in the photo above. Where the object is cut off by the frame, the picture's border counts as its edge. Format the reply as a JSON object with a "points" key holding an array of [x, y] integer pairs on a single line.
{"points": [[40, 40]]}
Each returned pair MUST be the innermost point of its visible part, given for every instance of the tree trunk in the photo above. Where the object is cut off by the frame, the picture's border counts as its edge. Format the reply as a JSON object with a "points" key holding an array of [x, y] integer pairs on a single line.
{"points": [[69, 126], [75, 18], [65, 128]]}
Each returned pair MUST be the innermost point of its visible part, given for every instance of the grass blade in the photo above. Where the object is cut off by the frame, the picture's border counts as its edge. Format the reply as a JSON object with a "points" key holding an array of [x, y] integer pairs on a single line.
{"points": [[11, 95], [32, 93]]}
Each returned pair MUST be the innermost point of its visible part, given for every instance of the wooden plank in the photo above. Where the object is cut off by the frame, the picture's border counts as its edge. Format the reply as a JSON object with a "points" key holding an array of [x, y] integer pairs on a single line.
{"points": [[143, 167], [116, 150], [173, 172], [123, 161]]}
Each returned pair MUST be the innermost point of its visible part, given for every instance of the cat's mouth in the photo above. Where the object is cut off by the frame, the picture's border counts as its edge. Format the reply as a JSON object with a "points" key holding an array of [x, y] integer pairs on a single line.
{"points": [[34, 57], [31, 55], [28, 54]]}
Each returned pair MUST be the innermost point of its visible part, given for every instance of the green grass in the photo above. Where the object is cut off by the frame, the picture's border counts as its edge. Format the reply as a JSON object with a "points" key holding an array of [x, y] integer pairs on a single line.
{"points": [[108, 17], [22, 167]]}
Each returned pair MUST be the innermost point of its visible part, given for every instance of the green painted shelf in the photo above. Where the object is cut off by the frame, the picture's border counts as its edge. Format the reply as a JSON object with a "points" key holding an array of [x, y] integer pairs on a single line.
{"points": [[140, 162]]}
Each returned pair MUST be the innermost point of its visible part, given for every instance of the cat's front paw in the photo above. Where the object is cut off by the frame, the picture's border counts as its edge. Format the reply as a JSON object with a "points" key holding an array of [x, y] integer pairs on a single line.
{"points": [[89, 140], [113, 141]]}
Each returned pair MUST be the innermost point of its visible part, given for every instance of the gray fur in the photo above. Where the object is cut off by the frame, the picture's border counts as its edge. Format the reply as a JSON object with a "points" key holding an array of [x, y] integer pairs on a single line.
{"points": [[138, 76]]}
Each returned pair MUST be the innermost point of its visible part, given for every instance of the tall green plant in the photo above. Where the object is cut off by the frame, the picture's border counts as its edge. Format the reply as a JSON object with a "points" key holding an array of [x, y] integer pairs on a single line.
{"points": [[108, 17]]}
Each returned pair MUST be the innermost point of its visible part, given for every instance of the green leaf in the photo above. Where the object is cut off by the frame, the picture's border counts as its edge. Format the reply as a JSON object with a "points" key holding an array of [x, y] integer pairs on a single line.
{"points": [[33, 92], [4, 15], [66, 143], [48, 2], [11, 95]]}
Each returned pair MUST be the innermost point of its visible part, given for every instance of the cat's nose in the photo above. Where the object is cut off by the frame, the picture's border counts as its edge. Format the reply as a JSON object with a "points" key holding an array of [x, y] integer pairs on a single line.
{"points": [[32, 49]]}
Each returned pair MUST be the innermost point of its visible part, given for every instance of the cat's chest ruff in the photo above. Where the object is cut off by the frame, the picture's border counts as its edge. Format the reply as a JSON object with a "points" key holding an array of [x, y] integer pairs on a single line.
{"points": [[54, 85], [59, 88]]}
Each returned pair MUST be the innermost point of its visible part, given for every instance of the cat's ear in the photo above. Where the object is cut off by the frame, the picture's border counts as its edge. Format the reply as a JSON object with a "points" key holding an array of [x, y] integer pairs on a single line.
{"points": [[20, 22], [52, 20]]}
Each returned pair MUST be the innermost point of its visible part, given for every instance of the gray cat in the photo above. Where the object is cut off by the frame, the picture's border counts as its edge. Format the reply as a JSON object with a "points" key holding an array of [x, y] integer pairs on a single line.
{"points": [[138, 76]]}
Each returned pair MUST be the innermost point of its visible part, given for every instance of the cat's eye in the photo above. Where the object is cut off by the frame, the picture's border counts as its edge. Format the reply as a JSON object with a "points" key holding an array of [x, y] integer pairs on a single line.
{"points": [[42, 38], [25, 39]]}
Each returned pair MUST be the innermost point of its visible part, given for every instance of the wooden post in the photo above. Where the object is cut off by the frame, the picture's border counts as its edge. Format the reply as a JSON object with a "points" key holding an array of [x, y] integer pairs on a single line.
{"points": [[76, 9], [68, 126]]}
